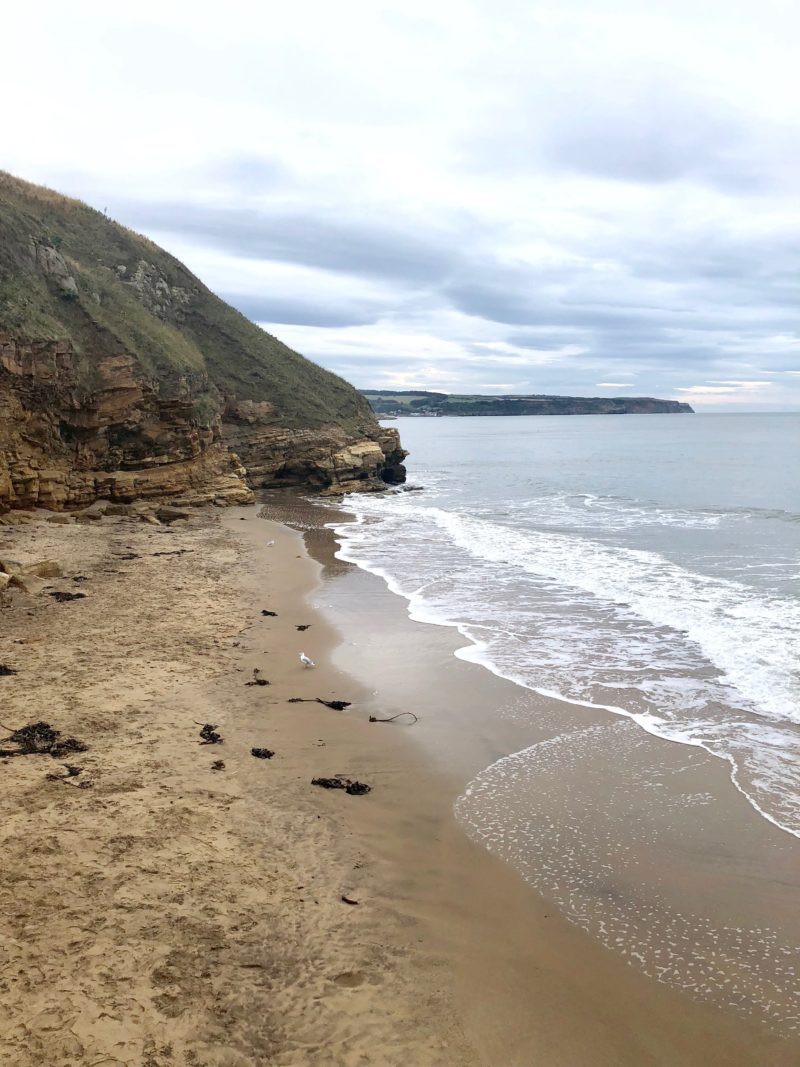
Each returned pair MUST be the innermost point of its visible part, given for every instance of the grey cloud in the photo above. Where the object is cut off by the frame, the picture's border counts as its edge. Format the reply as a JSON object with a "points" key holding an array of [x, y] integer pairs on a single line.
{"points": [[330, 241], [545, 341], [668, 304], [251, 174], [301, 312], [658, 139], [525, 306], [645, 129]]}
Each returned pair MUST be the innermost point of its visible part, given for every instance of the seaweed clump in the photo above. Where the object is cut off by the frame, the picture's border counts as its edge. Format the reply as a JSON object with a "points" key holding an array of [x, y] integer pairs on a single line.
{"points": [[40, 738]]}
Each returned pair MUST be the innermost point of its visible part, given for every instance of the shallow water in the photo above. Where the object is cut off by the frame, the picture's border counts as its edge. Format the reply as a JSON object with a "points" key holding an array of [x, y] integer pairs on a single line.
{"points": [[647, 566]]}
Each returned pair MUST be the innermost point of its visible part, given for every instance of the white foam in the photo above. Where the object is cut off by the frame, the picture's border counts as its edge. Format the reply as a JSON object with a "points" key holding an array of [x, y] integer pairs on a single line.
{"points": [[577, 856], [620, 621]]}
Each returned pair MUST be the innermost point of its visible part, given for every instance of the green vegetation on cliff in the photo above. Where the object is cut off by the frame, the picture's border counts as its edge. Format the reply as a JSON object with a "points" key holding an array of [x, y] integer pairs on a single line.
{"points": [[69, 273], [410, 402]]}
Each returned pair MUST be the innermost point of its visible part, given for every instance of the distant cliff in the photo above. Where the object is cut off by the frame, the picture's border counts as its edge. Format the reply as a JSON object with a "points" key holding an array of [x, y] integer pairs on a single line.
{"points": [[408, 402], [123, 376]]}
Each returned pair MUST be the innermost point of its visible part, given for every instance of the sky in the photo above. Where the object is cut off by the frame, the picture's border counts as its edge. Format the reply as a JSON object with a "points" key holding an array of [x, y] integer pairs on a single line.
{"points": [[586, 197]]}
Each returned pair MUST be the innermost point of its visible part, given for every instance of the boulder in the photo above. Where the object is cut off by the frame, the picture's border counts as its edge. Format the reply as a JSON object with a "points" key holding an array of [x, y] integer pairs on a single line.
{"points": [[28, 583], [47, 568], [169, 514], [59, 518], [97, 508]]}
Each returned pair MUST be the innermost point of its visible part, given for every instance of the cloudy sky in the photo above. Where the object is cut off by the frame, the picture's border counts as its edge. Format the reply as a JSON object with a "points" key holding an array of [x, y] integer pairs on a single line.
{"points": [[576, 196]]}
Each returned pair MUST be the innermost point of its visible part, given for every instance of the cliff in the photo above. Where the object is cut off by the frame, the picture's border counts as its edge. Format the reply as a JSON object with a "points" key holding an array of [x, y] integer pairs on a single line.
{"points": [[408, 402], [123, 376]]}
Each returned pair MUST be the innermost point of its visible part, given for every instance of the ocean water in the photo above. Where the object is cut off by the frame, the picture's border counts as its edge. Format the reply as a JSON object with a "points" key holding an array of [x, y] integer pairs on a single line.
{"points": [[647, 564]]}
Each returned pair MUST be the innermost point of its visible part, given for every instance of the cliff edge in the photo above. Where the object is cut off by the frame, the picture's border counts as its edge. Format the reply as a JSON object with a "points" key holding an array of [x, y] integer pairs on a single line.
{"points": [[122, 376]]}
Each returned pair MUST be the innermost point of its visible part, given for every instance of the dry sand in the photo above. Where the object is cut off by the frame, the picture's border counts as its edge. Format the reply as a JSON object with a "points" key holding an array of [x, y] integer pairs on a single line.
{"points": [[158, 913]]}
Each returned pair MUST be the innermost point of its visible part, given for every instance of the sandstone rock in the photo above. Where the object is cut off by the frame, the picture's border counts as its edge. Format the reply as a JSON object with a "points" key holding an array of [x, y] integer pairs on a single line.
{"points": [[168, 514], [47, 568], [4, 580], [324, 458], [97, 508], [58, 518], [125, 442], [10, 566], [17, 518], [29, 583]]}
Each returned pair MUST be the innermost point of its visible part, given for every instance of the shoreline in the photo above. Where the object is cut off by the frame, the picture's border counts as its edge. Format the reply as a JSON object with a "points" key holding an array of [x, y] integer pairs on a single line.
{"points": [[402, 659], [201, 916]]}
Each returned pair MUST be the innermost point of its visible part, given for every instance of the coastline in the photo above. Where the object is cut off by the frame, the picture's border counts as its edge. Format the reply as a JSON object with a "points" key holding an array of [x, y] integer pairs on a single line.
{"points": [[171, 914]]}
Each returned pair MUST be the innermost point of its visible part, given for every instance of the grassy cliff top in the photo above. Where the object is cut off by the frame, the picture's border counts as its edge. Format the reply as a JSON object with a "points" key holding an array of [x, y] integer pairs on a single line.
{"points": [[68, 272]]}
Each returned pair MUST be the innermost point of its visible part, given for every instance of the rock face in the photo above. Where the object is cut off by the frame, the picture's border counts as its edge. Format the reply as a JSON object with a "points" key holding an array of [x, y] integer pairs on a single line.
{"points": [[63, 448], [123, 377]]}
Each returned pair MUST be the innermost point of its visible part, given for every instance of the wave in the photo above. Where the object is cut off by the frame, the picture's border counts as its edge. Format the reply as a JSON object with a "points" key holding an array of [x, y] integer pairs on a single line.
{"points": [[701, 660]]}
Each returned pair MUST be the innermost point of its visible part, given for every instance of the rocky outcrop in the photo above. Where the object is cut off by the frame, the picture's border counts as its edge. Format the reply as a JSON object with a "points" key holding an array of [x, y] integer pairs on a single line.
{"points": [[326, 459]]}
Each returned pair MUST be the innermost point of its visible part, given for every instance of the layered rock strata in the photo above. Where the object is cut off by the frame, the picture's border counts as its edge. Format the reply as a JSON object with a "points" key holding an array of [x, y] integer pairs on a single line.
{"points": [[62, 448]]}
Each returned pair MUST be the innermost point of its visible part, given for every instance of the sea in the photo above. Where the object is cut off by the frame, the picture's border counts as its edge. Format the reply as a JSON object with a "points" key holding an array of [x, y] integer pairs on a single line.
{"points": [[648, 565]]}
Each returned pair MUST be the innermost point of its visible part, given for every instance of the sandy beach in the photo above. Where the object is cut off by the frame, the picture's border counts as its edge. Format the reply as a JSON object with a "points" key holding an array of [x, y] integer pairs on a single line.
{"points": [[159, 912]]}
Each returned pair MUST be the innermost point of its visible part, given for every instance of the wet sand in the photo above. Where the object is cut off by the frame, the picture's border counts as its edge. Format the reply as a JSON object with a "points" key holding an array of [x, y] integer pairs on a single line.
{"points": [[171, 914]]}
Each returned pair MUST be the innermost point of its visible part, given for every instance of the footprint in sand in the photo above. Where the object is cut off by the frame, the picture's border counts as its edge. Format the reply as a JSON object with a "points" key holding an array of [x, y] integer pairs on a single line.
{"points": [[350, 979]]}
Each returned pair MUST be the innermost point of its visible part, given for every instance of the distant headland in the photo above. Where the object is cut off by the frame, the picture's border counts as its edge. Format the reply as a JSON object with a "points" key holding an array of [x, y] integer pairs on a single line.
{"points": [[418, 402]]}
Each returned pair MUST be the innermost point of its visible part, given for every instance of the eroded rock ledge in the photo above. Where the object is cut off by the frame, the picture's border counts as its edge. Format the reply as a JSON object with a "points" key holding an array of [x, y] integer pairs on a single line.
{"points": [[62, 446]]}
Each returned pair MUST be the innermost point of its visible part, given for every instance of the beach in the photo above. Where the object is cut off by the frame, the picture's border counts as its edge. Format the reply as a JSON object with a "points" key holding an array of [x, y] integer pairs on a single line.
{"points": [[160, 912]]}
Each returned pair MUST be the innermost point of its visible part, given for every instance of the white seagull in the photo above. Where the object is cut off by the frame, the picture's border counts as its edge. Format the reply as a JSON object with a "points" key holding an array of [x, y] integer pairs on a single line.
{"points": [[306, 661]]}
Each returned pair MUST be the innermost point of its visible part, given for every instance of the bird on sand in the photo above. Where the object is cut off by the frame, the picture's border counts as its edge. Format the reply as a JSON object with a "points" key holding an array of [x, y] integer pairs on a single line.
{"points": [[306, 661]]}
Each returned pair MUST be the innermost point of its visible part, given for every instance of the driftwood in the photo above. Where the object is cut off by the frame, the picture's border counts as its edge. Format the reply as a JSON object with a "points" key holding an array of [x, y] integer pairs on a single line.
{"points": [[337, 705], [392, 718]]}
